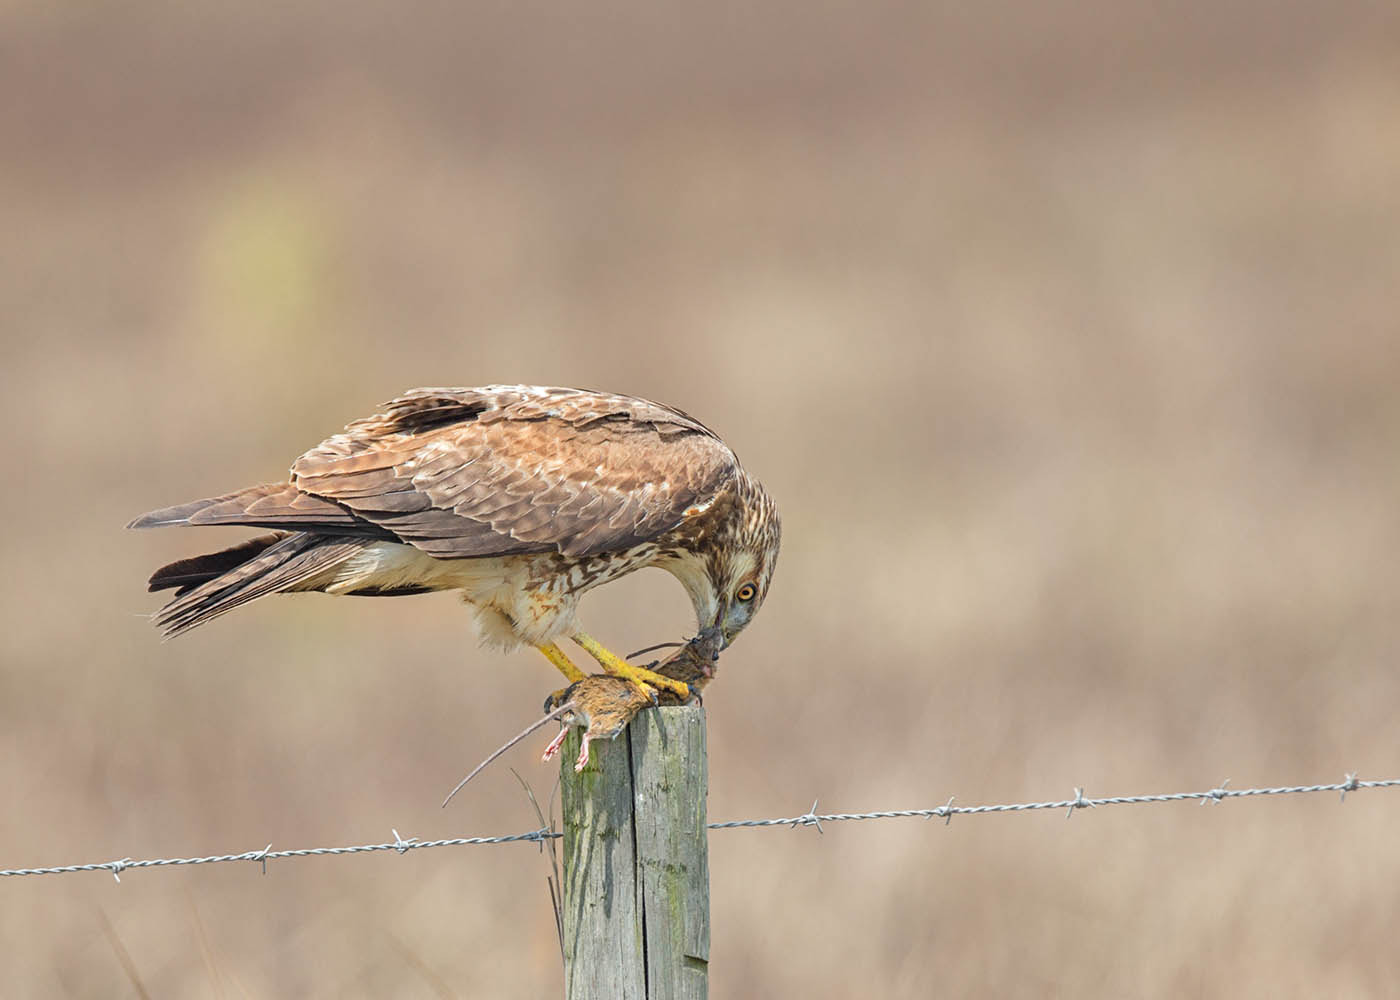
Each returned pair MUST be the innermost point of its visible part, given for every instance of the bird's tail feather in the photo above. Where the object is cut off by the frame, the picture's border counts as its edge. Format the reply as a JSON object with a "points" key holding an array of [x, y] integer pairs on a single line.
{"points": [[186, 574], [210, 585]]}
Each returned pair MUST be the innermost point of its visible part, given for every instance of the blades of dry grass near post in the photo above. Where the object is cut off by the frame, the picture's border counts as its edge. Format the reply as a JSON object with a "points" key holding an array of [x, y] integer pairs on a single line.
{"points": [[123, 956], [547, 823]]}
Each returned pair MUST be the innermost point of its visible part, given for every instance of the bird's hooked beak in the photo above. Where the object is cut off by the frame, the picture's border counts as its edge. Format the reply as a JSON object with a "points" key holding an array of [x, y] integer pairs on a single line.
{"points": [[717, 632]]}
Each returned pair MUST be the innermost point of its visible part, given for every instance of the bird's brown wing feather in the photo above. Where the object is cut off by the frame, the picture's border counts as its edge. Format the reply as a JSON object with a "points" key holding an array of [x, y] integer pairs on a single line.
{"points": [[271, 505], [475, 472], [461, 473]]}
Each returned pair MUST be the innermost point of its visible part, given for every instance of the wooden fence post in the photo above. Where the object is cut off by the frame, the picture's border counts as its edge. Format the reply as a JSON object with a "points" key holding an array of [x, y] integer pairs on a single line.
{"points": [[636, 862]]}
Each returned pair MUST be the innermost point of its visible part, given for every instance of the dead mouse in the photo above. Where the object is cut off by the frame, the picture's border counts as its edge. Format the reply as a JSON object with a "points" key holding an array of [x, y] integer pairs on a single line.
{"points": [[603, 704]]}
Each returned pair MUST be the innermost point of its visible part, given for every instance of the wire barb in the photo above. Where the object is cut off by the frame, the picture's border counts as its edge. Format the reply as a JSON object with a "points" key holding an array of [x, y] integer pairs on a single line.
{"points": [[810, 818], [1218, 793], [1080, 802], [946, 811], [401, 845]]}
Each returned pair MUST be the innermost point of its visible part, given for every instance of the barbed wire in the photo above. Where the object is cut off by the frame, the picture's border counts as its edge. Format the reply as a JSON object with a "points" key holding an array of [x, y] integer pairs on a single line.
{"points": [[811, 817]]}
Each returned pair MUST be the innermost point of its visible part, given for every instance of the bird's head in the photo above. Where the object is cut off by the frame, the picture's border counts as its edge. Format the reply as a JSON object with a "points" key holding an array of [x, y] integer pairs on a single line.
{"points": [[738, 564]]}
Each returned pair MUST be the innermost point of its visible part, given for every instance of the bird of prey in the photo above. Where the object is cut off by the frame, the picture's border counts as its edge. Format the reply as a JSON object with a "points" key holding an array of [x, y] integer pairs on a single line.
{"points": [[521, 497]]}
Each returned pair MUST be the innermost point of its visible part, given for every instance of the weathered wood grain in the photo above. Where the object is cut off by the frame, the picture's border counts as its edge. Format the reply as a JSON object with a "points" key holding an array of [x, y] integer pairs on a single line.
{"points": [[636, 864]]}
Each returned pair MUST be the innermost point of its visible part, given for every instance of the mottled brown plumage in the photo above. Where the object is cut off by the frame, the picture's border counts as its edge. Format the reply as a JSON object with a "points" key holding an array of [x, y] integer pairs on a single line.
{"points": [[522, 497]]}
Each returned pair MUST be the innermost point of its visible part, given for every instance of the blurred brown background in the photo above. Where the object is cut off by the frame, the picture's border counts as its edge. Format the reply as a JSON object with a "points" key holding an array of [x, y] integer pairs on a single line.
{"points": [[1065, 335]]}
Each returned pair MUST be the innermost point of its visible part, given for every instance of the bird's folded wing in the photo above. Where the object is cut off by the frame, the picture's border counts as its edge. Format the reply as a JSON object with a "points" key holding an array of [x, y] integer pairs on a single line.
{"points": [[462, 473]]}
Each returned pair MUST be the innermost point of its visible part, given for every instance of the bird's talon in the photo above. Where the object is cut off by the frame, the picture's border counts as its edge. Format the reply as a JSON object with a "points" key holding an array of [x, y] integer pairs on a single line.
{"points": [[619, 667], [652, 681]]}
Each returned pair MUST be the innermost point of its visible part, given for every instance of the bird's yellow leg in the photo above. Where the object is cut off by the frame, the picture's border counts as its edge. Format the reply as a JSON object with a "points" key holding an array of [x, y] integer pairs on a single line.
{"points": [[560, 659], [619, 667]]}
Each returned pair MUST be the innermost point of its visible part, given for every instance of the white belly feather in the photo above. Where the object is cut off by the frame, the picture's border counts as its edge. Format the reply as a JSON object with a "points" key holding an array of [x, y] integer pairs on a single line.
{"points": [[517, 598]]}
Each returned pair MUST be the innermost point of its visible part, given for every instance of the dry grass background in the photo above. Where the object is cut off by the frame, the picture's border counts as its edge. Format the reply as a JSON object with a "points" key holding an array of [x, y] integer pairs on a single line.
{"points": [[1064, 334]]}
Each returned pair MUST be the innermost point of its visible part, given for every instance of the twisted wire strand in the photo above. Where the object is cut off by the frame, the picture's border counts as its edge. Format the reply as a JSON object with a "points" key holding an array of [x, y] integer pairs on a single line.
{"points": [[1080, 801], [810, 818]]}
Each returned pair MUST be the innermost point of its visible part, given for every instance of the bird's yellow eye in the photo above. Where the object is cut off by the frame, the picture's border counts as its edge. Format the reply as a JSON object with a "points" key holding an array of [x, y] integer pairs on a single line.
{"points": [[747, 592]]}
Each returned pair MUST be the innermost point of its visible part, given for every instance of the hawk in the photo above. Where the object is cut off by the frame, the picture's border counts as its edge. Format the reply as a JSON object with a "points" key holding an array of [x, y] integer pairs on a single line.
{"points": [[523, 498]]}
